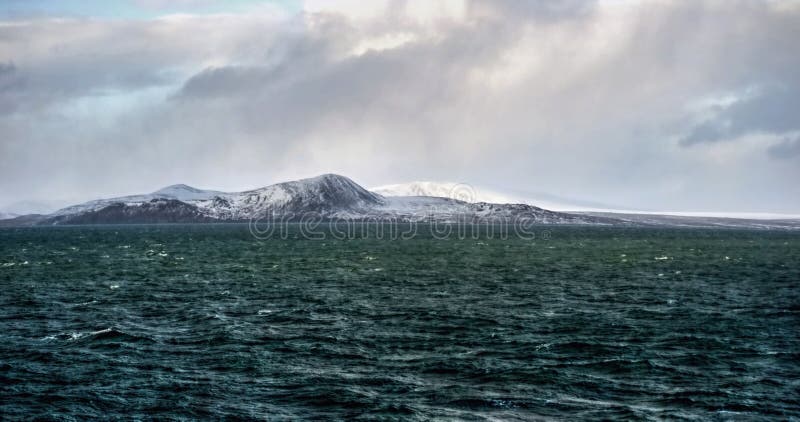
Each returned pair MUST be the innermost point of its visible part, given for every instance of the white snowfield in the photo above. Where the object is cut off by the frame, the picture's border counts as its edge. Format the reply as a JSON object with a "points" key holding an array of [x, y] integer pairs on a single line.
{"points": [[460, 191], [470, 193]]}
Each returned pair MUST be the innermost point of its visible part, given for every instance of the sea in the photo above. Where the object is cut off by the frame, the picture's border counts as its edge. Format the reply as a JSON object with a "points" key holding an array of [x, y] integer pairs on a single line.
{"points": [[206, 321]]}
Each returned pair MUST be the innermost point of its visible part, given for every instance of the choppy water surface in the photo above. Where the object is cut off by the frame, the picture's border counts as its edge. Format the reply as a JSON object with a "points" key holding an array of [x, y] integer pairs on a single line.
{"points": [[208, 322]]}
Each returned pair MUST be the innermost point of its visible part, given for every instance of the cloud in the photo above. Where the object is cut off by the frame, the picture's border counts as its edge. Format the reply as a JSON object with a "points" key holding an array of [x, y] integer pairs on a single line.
{"points": [[786, 148], [596, 99], [775, 110]]}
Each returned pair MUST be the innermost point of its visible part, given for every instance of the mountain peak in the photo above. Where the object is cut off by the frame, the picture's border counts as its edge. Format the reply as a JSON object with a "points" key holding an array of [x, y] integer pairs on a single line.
{"points": [[329, 189], [184, 192], [180, 187], [328, 178]]}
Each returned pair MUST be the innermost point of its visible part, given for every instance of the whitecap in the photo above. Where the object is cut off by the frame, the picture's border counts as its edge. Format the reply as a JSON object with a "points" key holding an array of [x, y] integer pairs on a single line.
{"points": [[103, 331], [604, 403], [730, 412], [68, 336], [113, 286]]}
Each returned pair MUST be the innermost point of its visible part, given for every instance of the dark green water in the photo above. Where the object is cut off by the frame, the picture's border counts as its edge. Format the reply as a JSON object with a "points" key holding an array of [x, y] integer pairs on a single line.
{"points": [[200, 321]]}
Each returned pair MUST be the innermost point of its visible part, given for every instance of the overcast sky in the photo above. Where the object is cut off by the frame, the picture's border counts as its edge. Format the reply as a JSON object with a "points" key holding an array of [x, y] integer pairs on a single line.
{"points": [[657, 105]]}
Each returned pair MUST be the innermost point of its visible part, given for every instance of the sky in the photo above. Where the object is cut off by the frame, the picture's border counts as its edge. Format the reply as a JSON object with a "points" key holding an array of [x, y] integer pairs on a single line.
{"points": [[637, 105]]}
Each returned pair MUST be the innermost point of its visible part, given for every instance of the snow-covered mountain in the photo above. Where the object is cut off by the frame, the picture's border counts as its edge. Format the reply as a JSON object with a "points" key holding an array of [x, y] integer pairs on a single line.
{"points": [[331, 196], [327, 196], [185, 193], [176, 192]]}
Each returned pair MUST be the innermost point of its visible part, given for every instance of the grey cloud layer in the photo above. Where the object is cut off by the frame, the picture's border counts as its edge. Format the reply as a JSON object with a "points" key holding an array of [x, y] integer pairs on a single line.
{"points": [[786, 149], [591, 100], [776, 111]]}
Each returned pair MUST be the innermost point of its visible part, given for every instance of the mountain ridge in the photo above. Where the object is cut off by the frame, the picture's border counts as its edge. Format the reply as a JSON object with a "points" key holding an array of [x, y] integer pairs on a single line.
{"points": [[327, 196], [331, 196]]}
